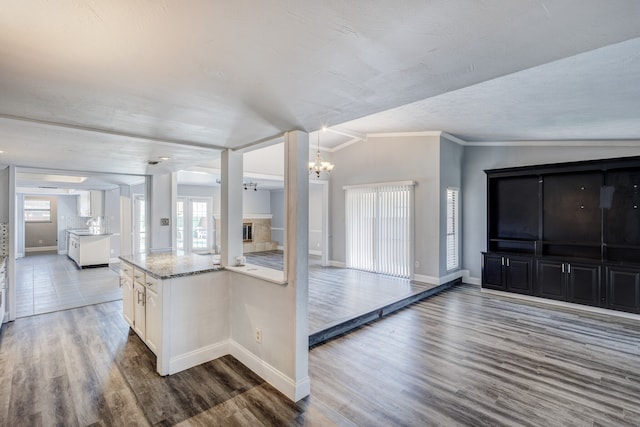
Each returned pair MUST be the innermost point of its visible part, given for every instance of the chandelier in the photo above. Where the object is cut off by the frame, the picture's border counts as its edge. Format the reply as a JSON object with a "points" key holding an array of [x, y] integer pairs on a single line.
{"points": [[320, 166]]}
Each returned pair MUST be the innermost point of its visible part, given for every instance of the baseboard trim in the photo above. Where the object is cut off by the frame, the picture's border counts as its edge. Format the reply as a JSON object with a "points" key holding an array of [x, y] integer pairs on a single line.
{"points": [[438, 280], [466, 278], [41, 249], [282, 383], [193, 358], [563, 304], [338, 264], [312, 252]]}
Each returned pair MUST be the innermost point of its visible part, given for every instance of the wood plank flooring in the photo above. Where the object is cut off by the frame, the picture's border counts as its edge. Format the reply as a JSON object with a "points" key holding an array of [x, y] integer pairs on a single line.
{"points": [[458, 358], [339, 294]]}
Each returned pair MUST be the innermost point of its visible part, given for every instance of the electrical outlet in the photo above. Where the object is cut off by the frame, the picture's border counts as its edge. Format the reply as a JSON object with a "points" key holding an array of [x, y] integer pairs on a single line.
{"points": [[417, 264], [258, 335]]}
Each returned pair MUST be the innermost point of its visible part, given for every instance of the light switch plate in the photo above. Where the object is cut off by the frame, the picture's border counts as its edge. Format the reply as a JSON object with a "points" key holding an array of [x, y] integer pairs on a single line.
{"points": [[164, 221]]}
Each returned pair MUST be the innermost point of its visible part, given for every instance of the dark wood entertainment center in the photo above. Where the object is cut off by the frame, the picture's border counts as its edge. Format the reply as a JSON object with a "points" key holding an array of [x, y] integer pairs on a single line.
{"points": [[569, 232]]}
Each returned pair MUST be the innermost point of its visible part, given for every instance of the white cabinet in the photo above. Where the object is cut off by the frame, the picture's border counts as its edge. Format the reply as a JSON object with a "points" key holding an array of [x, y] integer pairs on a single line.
{"points": [[126, 283], [141, 304], [73, 249], [139, 312], [90, 203], [89, 249], [153, 320]]}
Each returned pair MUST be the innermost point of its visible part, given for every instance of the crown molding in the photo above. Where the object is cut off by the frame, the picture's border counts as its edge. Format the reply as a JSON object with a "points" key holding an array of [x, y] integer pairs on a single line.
{"points": [[558, 143]]}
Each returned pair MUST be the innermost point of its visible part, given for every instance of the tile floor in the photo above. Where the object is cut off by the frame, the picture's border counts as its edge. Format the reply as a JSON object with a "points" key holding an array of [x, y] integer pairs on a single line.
{"points": [[47, 283]]}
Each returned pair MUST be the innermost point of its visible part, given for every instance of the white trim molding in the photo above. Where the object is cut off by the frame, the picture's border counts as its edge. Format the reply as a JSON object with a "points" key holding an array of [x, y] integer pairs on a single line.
{"points": [[339, 264], [558, 143], [41, 249], [283, 383], [438, 280], [466, 278]]}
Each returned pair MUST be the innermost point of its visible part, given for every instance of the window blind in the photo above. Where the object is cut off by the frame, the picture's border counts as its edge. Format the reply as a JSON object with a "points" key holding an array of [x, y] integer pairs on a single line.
{"points": [[378, 228], [452, 229]]}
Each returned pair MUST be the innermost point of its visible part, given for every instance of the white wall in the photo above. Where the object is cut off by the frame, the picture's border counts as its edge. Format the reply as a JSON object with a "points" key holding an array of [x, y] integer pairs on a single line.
{"points": [[474, 183], [67, 217], [256, 202], [315, 218]]}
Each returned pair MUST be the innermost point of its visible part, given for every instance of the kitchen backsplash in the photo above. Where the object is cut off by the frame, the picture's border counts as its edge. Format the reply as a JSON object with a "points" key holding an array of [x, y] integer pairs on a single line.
{"points": [[4, 239]]}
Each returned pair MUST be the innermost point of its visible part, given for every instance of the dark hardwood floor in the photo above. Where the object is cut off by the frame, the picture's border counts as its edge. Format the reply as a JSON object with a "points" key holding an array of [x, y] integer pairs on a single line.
{"points": [[458, 358]]}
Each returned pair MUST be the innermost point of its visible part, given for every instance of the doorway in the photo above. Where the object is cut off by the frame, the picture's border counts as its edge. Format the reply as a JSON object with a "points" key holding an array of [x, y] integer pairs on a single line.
{"points": [[194, 222], [139, 224]]}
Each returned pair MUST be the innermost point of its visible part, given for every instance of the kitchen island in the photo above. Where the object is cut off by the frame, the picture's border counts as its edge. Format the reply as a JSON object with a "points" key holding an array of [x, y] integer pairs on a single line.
{"points": [[178, 305], [89, 249]]}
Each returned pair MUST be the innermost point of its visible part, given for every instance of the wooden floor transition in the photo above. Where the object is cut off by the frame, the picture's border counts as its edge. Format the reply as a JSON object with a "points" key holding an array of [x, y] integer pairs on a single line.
{"points": [[458, 358]]}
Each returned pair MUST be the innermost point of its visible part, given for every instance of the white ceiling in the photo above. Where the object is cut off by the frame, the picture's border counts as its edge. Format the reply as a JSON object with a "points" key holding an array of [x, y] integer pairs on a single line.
{"points": [[107, 86]]}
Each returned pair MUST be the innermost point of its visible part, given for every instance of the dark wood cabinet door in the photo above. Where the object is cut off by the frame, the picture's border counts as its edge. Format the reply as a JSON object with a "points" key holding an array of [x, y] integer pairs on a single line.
{"points": [[583, 285], [493, 272], [519, 275], [551, 280], [623, 289]]}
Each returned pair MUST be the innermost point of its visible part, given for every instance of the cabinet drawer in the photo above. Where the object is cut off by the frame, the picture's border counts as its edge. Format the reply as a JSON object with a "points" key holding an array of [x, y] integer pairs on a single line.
{"points": [[138, 276], [126, 269], [151, 283]]}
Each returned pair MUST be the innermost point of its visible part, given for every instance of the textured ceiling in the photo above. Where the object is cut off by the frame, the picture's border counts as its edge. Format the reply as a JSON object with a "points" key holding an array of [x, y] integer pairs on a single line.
{"points": [[108, 85]]}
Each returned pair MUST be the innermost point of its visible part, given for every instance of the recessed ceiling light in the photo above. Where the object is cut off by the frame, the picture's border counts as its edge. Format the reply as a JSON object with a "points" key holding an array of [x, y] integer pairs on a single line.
{"points": [[164, 158], [25, 176], [153, 162]]}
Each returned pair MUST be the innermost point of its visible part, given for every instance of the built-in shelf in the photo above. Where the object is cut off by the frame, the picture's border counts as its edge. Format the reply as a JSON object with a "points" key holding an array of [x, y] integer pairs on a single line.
{"points": [[566, 231]]}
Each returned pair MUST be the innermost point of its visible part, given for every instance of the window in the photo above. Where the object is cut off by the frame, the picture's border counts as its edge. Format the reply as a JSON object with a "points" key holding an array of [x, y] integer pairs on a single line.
{"points": [[37, 210], [195, 226], [452, 228], [379, 222]]}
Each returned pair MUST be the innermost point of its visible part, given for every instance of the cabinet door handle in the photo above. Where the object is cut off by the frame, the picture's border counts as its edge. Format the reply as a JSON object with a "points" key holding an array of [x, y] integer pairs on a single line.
{"points": [[568, 268], [502, 258], [507, 262], [140, 300], [563, 267]]}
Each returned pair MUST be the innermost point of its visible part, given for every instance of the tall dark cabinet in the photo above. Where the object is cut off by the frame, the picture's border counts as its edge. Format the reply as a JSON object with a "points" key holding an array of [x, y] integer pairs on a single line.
{"points": [[569, 232]]}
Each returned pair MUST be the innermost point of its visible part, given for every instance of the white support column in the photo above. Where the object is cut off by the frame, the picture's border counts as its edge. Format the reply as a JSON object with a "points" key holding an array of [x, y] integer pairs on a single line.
{"points": [[160, 201], [230, 207], [296, 186]]}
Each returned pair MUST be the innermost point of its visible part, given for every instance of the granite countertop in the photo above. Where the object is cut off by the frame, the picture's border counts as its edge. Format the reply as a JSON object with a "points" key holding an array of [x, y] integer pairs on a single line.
{"points": [[165, 265]]}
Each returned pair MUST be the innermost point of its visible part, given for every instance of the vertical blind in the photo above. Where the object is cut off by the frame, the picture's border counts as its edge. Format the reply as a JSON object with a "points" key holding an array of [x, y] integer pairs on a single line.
{"points": [[379, 228], [452, 228]]}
